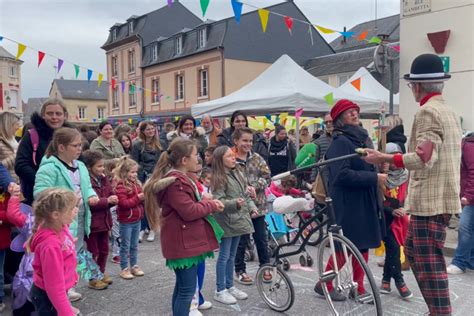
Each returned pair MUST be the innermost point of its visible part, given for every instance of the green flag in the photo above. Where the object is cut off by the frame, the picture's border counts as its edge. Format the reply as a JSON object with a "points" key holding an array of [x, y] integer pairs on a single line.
{"points": [[76, 67], [204, 5]]}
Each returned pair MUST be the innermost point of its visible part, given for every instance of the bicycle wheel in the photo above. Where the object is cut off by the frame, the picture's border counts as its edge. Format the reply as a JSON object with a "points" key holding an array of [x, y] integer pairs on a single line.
{"points": [[352, 290], [278, 294]]}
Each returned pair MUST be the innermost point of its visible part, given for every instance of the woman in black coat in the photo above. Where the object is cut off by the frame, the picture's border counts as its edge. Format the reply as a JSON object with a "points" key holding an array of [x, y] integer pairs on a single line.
{"points": [[353, 185]]}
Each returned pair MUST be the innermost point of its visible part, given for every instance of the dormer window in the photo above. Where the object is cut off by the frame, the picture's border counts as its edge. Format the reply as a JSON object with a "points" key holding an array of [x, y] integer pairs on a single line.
{"points": [[202, 37], [114, 34], [130, 27], [178, 45], [154, 51]]}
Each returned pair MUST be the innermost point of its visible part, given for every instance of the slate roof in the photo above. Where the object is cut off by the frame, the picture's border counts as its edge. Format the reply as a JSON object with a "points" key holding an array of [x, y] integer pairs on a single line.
{"points": [[389, 25], [246, 41], [165, 21], [81, 89], [5, 54], [33, 105]]}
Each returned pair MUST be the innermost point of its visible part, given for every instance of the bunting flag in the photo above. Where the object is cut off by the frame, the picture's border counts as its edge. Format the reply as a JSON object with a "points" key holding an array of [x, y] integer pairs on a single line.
{"points": [[283, 121], [268, 117], [293, 123], [89, 74], [289, 23], [265, 122], [60, 64], [113, 83], [130, 121], [237, 7], [170, 3], [132, 88], [356, 84], [204, 5], [283, 115], [347, 34], [40, 57], [264, 15], [76, 69], [277, 119], [99, 78], [375, 40], [298, 113], [396, 48], [324, 30], [21, 50], [123, 86], [362, 35], [329, 99]]}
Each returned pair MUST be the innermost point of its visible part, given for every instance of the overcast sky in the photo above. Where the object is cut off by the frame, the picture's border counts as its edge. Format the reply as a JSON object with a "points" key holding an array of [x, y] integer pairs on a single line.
{"points": [[74, 30]]}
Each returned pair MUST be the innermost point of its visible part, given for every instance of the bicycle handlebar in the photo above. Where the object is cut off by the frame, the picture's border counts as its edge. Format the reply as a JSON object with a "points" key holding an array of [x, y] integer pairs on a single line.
{"points": [[359, 153]]}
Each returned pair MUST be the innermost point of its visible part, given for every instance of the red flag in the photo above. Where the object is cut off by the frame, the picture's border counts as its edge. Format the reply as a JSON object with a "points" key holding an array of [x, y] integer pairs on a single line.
{"points": [[289, 23], [113, 83], [40, 57]]}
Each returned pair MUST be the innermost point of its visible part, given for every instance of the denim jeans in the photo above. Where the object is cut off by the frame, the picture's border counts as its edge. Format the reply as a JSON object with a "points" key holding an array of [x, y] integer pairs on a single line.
{"points": [[225, 263], [144, 223], [129, 243], [42, 303], [2, 274], [184, 289], [464, 256], [260, 237]]}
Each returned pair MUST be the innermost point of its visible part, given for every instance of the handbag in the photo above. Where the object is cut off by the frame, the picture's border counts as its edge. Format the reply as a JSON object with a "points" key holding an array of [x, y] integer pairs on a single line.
{"points": [[319, 189]]}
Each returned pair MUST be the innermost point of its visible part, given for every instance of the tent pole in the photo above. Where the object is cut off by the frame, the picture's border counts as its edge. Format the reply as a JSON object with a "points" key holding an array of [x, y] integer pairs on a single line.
{"points": [[297, 133], [392, 84]]}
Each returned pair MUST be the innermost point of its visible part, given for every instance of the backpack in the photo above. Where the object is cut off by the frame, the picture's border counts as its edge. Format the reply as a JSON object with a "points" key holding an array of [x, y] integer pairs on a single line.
{"points": [[34, 138]]}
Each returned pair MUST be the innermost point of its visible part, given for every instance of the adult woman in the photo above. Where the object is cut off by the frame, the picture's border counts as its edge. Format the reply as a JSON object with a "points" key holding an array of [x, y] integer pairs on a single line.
{"points": [[353, 186], [146, 152], [281, 152], [187, 130], [238, 120], [106, 143], [53, 115], [9, 123], [126, 140]]}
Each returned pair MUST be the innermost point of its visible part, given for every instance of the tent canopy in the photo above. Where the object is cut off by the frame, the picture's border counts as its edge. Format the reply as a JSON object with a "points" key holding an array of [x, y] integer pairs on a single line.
{"points": [[283, 87]]}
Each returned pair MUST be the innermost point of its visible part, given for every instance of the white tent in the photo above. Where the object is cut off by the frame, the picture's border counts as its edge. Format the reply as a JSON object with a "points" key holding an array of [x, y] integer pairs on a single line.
{"points": [[283, 87], [370, 88]]}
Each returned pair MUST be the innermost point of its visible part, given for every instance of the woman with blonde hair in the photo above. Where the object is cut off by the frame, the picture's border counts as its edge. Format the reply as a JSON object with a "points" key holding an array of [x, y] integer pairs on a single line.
{"points": [[9, 123]]}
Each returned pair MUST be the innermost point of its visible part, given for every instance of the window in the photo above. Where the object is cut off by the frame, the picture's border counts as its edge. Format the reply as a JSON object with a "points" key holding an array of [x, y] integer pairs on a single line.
{"points": [[202, 37], [114, 66], [82, 112], [12, 71], [114, 34], [178, 45], [179, 87], [132, 97], [100, 113], [130, 27], [131, 61], [155, 94], [203, 83], [343, 78], [154, 52], [115, 98]]}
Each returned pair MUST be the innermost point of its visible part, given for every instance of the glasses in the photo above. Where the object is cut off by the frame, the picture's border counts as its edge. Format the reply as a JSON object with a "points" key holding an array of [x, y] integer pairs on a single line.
{"points": [[410, 85]]}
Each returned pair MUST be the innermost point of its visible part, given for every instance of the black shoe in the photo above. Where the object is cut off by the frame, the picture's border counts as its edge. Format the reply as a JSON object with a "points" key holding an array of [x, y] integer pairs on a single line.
{"points": [[335, 296]]}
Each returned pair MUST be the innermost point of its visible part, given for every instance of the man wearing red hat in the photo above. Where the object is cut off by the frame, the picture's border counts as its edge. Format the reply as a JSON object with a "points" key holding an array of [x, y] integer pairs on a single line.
{"points": [[434, 159]]}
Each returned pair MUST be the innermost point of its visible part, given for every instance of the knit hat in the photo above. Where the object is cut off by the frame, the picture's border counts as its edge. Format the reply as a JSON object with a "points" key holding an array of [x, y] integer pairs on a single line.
{"points": [[341, 106], [393, 148]]}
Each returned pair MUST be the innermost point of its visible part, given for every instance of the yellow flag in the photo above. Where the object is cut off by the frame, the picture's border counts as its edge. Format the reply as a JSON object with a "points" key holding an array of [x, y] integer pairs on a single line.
{"points": [[264, 14], [100, 77], [265, 121], [283, 116], [130, 121], [325, 30], [21, 50]]}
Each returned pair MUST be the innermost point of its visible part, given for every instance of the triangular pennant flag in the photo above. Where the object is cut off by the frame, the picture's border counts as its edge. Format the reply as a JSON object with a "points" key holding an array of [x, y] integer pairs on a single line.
{"points": [[289, 23], [170, 2], [204, 5], [356, 84], [265, 121], [60, 64], [130, 121], [362, 35], [76, 68], [89, 74], [40, 57], [113, 83], [283, 115], [21, 50], [325, 30], [237, 7], [375, 40], [132, 89], [264, 14], [1, 38], [329, 99], [298, 113], [347, 34], [99, 78], [123, 86], [396, 48]]}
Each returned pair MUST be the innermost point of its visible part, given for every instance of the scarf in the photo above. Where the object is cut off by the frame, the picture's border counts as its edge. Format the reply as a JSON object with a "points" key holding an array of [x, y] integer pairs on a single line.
{"points": [[396, 178], [277, 146], [356, 134]]}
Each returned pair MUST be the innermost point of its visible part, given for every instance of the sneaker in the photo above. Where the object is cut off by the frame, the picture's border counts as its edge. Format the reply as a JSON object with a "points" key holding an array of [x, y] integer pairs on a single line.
{"points": [[224, 297], [385, 287], [125, 274], [194, 312], [115, 259], [2, 307], [151, 236], [335, 296], [204, 306], [243, 278], [404, 291], [454, 269], [238, 294], [136, 271], [107, 279], [140, 235], [267, 277], [97, 285], [73, 296]]}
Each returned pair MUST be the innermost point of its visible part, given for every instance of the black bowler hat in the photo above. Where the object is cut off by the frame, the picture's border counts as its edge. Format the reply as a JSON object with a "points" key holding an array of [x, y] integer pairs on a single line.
{"points": [[427, 68]]}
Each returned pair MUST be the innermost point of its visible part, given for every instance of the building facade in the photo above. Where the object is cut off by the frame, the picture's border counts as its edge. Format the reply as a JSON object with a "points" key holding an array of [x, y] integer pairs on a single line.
{"points": [[10, 82]]}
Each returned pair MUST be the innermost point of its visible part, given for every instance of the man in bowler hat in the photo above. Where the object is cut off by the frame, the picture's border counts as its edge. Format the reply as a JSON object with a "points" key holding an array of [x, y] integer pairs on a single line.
{"points": [[434, 159]]}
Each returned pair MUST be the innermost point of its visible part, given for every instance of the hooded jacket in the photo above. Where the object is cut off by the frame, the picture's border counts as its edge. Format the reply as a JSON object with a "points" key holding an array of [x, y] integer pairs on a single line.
{"points": [[54, 266], [24, 165], [146, 159], [101, 216], [467, 168], [199, 136], [184, 231], [129, 209], [282, 155], [397, 135], [259, 142]]}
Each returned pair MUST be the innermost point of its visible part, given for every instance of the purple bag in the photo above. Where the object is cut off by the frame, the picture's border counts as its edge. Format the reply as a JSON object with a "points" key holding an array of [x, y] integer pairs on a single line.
{"points": [[22, 282]]}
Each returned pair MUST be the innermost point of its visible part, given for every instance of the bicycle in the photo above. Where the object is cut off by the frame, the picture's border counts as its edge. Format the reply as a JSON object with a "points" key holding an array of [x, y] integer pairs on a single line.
{"points": [[336, 256]]}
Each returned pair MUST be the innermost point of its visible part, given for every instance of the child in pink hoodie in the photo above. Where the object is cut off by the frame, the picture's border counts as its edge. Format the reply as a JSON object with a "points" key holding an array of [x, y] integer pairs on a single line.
{"points": [[54, 264]]}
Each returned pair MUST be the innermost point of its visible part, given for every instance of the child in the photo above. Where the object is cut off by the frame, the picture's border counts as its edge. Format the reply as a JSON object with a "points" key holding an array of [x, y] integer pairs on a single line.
{"points": [[188, 234], [208, 155], [130, 212], [101, 223], [60, 168], [55, 257], [205, 179], [230, 187]]}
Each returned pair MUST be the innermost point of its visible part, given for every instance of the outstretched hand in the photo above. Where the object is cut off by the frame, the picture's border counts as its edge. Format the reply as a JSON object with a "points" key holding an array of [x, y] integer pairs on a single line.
{"points": [[374, 157]]}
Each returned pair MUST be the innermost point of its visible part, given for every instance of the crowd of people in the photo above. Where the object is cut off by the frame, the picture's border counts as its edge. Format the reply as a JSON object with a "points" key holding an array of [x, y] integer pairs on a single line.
{"points": [[71, 198]]}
